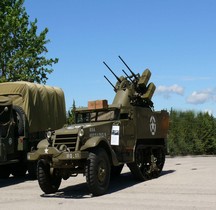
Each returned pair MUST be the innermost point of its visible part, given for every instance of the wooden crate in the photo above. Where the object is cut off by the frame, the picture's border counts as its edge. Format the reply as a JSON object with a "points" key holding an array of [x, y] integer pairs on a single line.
{"points": [[101, 104], [91, 104]]}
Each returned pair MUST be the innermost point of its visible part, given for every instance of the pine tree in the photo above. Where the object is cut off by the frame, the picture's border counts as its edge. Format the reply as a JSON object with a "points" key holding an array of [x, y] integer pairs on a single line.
{"points": [[71, 114]]}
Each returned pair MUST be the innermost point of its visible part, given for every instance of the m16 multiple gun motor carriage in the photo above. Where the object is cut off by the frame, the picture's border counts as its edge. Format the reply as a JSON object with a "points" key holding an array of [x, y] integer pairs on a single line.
{"points": [[105, 137]]}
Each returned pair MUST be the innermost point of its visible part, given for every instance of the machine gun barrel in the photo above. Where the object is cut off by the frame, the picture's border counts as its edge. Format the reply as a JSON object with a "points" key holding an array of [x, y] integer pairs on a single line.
{"points": [[112, 72], [135, 76], [110, 83], [127, 75]]}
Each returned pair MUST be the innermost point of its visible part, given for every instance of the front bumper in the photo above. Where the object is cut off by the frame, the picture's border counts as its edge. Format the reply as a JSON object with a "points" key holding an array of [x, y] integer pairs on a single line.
{"points": [[57, 155]]}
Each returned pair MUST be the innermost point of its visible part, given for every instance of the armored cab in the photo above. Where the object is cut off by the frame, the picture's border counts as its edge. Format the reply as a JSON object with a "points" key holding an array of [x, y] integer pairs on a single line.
{"points": [[107, 136], [27, 110]]}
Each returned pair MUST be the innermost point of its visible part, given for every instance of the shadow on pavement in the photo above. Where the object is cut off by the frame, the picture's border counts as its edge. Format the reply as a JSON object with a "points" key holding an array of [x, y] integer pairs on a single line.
{"points": [[121, 182], [80, 191], [12, 181], [163, 173], [15, 180]]}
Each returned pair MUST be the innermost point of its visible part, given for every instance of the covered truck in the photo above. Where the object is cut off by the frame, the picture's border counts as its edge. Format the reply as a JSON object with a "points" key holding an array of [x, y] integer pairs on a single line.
{"points": [[27, 110]]}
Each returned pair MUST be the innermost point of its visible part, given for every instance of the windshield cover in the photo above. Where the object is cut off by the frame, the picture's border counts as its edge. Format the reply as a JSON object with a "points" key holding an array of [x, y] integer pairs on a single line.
{"points": [[96, 116]]}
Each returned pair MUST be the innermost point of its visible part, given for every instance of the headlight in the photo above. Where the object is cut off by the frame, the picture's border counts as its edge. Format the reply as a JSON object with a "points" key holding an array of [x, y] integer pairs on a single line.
{"points": [[49, 134], [81, 133]]}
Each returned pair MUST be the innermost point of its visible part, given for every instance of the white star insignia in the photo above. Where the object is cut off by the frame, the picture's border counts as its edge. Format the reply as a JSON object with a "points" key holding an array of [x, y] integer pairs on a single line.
{"points": [[153, 125], [46, 151]]}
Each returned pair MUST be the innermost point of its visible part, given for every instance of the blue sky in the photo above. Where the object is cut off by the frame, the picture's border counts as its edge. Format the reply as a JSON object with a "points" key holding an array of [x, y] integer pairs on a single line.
{"points": [[175, 39]]}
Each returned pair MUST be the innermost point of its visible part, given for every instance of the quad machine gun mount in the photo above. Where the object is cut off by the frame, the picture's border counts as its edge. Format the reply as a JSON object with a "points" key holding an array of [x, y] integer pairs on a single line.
{"points": [[132, 89]]}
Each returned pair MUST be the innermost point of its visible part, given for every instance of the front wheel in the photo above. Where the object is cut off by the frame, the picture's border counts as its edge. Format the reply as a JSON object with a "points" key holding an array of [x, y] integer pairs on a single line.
{"points": [[49, 182], [98, 171]]}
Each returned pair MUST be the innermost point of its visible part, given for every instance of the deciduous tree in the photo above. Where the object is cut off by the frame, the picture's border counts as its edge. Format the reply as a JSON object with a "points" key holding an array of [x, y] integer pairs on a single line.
{"points": [[22, 48]]}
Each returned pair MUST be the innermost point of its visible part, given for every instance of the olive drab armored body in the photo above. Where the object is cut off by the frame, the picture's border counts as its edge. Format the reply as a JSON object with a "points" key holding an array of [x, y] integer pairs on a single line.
{"points": [[106, 137]]}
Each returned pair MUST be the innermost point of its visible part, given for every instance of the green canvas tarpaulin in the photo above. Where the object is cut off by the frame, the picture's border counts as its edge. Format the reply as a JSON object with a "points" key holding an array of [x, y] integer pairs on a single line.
{"points": [[43, 105]]}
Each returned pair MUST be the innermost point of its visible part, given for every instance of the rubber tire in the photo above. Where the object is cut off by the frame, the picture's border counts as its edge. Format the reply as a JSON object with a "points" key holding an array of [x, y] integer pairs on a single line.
{"points": [[135, 169], [21, 119], [160, 155], [136, 172], [47, 182], [98, 172]]}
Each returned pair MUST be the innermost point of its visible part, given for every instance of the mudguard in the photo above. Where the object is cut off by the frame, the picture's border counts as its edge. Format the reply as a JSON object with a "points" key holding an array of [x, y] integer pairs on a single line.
{"points": [[43, 144], [95, 141]]}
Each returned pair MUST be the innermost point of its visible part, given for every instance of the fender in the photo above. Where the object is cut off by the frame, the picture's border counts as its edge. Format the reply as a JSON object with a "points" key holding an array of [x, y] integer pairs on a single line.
{"points": [[43, 144], [95, 141]]}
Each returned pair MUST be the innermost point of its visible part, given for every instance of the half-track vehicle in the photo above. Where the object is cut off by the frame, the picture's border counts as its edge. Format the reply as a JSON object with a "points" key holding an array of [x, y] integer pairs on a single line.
{"points": [[105, 137], [27, 110]]}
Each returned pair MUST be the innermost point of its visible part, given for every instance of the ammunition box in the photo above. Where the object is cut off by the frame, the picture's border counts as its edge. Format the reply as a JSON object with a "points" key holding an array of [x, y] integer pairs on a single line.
{"points": [[143, 80], [98, 104], [150, 91], [91, 105], [101, 104]]}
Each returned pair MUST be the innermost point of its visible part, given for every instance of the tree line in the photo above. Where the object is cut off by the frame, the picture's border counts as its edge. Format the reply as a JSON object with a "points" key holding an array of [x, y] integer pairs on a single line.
{"points": [[191, 133]]}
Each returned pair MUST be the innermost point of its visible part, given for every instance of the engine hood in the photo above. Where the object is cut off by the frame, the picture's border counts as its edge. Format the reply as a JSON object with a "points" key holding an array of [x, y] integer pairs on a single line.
{"points": [[74, 129]]}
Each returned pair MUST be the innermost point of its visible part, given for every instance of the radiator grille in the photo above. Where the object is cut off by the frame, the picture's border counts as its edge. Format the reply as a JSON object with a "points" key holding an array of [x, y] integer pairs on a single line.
{"points": [[67, 139]]}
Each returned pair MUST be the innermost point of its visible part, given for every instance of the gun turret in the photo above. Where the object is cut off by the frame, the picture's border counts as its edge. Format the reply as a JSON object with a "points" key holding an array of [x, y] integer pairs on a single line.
{"points": [[133, 90]]}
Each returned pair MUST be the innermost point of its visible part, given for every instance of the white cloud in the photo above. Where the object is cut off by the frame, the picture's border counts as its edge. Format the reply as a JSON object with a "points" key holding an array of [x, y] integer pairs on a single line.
{"points": [[200, 97], [166, 91]]}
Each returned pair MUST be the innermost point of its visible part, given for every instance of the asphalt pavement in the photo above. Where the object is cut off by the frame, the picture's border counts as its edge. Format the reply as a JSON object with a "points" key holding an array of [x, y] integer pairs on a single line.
{"points": [[185, 183]]}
